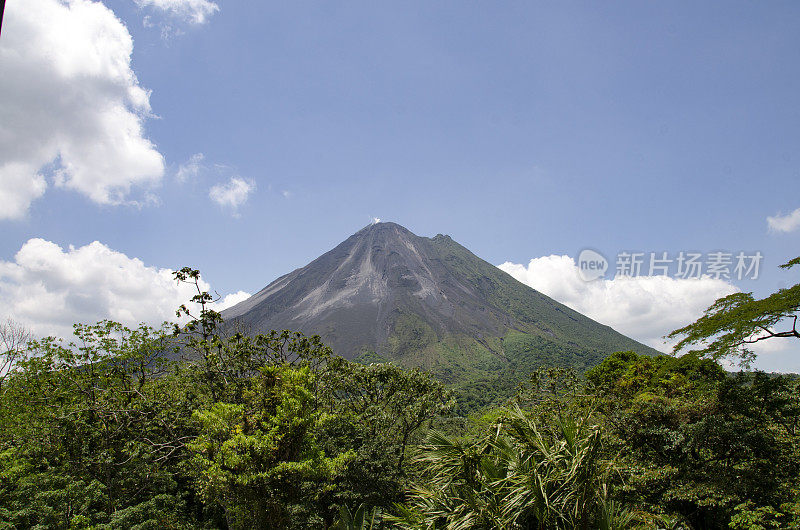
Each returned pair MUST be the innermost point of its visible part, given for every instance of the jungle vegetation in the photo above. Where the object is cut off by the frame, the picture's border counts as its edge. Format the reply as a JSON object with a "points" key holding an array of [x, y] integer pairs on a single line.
{"points": [[275, 431]]}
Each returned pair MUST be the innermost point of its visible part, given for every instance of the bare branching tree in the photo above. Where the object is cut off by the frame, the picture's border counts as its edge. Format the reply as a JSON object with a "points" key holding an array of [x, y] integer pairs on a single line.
{"points": [[14, 338]]}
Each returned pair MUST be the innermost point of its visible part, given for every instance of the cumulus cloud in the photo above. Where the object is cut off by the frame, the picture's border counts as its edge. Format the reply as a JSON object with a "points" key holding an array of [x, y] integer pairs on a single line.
{"points": [[20, 185], [231, 300], [191, 168], [191, 11], [784, 223], [233, 194], [71, 104], [48, 288], [642, 307]]}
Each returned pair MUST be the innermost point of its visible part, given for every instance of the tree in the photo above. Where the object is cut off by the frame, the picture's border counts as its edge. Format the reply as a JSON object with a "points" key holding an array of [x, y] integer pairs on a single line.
{"points": [[14, 338], [698, 445], [735, 322], [202, 326], [87, 433], [110, 430], [390, 403], [259, 459]]}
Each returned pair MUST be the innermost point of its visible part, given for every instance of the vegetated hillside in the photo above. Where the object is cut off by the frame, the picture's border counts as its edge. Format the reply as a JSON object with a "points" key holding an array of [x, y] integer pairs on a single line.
{"points": [[388, 294]]}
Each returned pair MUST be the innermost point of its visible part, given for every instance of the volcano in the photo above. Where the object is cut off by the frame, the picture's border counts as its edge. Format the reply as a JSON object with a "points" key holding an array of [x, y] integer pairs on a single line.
{"points": [[388, 294]]}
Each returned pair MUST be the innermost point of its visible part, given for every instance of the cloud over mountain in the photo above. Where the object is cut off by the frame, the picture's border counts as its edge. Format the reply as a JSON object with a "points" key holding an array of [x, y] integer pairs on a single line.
{"points": [[48, 288], [642, 307]]}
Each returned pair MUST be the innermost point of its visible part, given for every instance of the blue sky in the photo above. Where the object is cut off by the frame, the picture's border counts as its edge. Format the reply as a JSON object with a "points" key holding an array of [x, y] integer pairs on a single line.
{"points": [[521, 129]]}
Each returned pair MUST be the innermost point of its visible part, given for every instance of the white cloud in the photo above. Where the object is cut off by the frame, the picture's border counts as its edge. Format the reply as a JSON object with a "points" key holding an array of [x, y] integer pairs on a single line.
{"points": [[191, 11], [231, 300], [20, 185], [191, 168], [233, 194], [643, 307], [784, 223], [71, 101], [47, 288]]}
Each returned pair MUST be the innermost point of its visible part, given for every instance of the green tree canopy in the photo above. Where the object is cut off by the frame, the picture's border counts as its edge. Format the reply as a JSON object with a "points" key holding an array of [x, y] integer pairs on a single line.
{"points": [[730, 327]]}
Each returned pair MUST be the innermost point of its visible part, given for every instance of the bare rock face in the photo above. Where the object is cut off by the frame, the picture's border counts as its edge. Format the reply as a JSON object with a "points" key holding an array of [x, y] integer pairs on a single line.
{"points": [[386, 290]]}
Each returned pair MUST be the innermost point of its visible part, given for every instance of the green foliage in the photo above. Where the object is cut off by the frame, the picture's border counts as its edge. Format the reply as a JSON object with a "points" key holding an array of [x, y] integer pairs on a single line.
{"points": [[663, 442], [487, 374], [733, 323], [80, 422], [521, 473], [627, 374], [269, 431], [259, 458], [274, 431], [370, 357], [386, 400], [410, 333], [749, 517], [698, 444], [361, 519]]}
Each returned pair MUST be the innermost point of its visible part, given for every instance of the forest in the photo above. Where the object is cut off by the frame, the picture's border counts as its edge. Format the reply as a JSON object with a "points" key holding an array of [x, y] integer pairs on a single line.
{"points": [[275, 431]]}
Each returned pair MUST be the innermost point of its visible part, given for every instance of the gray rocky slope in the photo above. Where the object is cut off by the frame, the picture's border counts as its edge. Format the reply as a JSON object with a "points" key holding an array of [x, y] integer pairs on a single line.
{"points": [[388, 291]]}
